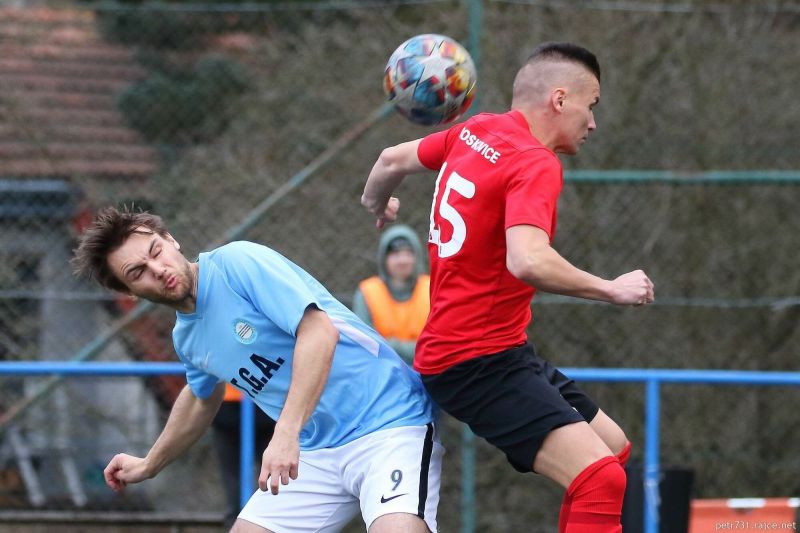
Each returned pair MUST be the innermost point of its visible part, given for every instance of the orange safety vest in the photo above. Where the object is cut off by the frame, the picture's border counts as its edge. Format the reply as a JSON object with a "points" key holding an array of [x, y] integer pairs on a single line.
{"points": [[393, 319], [232, 394]]}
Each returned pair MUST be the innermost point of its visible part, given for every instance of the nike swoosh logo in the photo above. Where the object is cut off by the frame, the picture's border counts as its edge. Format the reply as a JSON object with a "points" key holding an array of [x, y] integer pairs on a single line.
{"points": [[384, 499]]}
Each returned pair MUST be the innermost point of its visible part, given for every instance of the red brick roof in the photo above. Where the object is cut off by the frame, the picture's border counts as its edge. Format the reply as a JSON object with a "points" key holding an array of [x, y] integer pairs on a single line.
{"points": [[58, 85]]}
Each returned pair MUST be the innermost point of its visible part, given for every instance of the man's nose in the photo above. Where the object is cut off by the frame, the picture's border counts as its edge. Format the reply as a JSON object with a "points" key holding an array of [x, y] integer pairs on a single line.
{"points": [[159, 270]]}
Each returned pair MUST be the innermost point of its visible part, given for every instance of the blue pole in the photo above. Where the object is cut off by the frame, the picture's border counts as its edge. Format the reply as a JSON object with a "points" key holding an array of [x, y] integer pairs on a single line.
{"points": [[467, 480], [652, 377], [75, 368], [246, 450], [608, 375], [651, 456]]}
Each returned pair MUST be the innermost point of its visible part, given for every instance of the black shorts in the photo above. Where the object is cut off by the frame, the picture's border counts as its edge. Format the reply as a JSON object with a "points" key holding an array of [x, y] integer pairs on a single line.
{"points": [[513, 399]]}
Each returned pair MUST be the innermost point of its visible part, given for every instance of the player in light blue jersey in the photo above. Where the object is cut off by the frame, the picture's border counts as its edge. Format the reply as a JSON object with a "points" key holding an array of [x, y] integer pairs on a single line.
{"points": [[354, 425]]}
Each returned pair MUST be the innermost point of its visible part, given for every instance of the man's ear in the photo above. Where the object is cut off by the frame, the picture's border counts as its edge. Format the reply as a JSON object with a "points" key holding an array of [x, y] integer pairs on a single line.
{"points": [[557, 98]]}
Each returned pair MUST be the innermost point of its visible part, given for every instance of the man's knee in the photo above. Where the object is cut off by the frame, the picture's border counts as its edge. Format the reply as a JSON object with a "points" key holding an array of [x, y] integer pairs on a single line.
{"points": [[616, 478], [593, 503], [606, 473], [618, 443], [569, 450], [608, 430]]}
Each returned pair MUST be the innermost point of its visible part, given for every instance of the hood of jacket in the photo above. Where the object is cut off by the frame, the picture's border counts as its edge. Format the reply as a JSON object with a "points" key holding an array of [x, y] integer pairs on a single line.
{"points": [[402, 231]]}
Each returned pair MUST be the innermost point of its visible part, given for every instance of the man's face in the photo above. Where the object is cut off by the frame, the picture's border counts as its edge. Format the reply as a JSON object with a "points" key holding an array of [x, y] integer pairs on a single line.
{"points": [[400, 264], [152, 267], [577, 119]]}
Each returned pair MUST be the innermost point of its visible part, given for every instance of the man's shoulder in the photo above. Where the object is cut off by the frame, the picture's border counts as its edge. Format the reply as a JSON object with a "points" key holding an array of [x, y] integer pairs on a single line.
{"points": [[489, 121], [540, 155], [236, 247], [234, 253]]}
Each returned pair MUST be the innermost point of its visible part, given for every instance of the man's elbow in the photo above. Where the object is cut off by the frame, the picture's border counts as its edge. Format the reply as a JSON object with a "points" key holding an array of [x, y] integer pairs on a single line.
{"points": [[389, 160], [218, 393], [400, 160], [213, 400], [523, 266], [331, 333]]}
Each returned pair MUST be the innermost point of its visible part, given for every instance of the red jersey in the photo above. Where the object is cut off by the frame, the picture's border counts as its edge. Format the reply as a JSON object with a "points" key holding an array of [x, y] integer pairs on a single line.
{"points": [[493, 175]]}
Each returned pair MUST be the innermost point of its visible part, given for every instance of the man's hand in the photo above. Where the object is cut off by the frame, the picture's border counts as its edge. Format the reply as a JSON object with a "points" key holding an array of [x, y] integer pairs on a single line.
{"points": [[280, 460], [384, 213], [124, 469], [633, 288]]}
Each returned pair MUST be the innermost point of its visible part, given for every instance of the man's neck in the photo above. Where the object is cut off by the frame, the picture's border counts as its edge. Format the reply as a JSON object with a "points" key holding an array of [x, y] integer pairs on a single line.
{"points": [[189, 304], [539, 127]]}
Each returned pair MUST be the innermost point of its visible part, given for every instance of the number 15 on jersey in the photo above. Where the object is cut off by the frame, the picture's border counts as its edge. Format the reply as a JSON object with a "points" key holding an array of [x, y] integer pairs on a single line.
{"points": [[464, 187]]}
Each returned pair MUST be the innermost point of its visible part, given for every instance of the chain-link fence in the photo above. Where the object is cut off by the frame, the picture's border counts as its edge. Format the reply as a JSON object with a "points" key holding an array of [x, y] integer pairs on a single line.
{"points": [[200, 112]]}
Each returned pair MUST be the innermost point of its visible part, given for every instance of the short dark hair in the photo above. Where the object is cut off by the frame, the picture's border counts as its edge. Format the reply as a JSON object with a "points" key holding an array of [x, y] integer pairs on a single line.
{"points": [[567, 52], [108, 231]]}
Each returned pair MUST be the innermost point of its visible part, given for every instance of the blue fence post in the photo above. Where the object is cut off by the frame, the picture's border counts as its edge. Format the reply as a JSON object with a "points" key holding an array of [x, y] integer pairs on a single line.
{"points": [[651, 456], [246, 450]]}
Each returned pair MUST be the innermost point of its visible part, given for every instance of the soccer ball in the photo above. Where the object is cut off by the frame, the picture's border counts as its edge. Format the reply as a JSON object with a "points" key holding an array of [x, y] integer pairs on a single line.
{"points": [[430, 79]]}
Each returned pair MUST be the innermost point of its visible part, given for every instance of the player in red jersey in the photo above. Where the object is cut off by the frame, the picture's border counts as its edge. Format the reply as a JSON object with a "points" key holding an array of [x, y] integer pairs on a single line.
{"points": [[492, 222]]}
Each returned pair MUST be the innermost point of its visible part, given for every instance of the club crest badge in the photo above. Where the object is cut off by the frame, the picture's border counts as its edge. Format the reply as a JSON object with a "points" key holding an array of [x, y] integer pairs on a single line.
{"points": [[244, 331]]}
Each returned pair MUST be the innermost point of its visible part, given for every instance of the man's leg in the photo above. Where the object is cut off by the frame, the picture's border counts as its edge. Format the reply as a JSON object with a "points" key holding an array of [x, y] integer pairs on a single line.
{"points": [[314, 502], [243, 526], [514, 399], [615, 439], [396, 475], [608, 431], [399, 523], [390, 523], [577, 458], [567, 451], [611, 433]]}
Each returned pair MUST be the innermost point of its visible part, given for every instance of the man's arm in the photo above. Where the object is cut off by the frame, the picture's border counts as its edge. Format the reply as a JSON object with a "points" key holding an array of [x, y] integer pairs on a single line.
{"points": [[313, 355], [530, 258], [188, 420], [392, 166]]}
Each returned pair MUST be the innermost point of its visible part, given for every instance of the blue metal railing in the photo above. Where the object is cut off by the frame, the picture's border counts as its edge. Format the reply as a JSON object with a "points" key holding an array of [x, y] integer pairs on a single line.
{"points": [[652, 378]]}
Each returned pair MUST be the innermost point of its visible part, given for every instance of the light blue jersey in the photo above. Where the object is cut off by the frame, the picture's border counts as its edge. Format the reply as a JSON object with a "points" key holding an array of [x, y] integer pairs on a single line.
{"points": [[250, 300]]}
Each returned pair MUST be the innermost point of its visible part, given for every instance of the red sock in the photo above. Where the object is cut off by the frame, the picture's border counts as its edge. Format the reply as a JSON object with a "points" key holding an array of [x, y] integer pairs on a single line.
{"points": [[625, 454], [563, 516], [595, 499]]}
